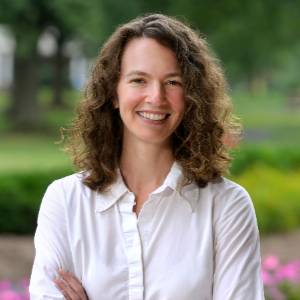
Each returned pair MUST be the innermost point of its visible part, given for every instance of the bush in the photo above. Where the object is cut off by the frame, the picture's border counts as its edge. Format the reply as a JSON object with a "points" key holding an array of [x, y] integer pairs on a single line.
{"points": [[283, 158], [20, 197], [275, 195]]}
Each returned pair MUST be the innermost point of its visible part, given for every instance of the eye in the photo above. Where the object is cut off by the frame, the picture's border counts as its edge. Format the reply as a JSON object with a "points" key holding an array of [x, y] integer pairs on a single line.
{"points": [[138, 80], [174, 82]]}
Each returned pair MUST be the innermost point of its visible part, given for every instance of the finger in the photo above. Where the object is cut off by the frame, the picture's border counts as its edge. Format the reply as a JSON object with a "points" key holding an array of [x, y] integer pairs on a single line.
{"points": [[74, 284], [67, 290], [63, 287]]}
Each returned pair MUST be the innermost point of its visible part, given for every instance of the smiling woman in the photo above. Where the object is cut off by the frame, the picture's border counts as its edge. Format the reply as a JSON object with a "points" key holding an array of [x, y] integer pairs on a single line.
{"points": [[150, 215], [150, 94]]}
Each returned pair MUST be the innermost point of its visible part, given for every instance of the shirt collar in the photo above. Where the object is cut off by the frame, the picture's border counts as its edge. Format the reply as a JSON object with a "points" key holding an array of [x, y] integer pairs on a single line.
{"points": [[108, 198], [174, 181]]}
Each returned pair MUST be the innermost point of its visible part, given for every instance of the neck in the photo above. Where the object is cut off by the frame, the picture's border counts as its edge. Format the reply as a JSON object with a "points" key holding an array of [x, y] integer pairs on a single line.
{"points": [[145, 166]]}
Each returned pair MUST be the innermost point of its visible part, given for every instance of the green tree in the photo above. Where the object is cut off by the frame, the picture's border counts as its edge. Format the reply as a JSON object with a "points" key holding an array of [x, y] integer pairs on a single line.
{"points": [[28, 19], [250, 36]]}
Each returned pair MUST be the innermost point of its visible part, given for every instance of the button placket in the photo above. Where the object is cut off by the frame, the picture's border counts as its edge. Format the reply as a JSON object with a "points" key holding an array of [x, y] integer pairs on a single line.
{"points": [[145, 219], [133, 248]]}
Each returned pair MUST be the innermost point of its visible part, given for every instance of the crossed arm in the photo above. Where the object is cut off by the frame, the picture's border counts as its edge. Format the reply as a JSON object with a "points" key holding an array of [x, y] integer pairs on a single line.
{"points": [[70, 286]]}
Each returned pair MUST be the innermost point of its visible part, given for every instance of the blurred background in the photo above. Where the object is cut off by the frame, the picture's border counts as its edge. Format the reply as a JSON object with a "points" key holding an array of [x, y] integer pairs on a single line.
{"points": [[46, 51]]}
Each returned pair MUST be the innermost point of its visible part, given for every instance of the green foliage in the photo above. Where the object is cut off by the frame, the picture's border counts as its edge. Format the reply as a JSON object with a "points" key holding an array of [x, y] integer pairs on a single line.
{"points": [[241, 32], [20, 196], [281, 158], [291, 290], [28, 19], [276, 196]]}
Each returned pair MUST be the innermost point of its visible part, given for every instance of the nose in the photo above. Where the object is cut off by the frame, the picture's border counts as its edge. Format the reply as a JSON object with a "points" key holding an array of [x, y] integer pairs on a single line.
{"points": [[156, 94]]}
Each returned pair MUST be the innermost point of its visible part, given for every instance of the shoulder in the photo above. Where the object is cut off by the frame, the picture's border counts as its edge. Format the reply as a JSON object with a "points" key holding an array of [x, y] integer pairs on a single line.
{"points": [[227, 192], [223, 196], [68, 190], [66, 198], [218, 196], [227, 187], [69, 184], [231, 201], [220, 192]]}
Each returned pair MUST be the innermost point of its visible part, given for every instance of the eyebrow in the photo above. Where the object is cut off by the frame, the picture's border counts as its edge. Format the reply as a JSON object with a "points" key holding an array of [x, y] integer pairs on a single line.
{"points": [[141, 73]]}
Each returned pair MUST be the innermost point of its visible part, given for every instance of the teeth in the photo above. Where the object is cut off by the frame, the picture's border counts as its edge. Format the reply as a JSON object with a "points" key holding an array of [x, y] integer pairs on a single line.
{"points": [[150, 116]]}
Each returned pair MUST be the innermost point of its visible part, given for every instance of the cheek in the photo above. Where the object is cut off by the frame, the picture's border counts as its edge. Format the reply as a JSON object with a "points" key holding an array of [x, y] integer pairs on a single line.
{"points": [[178, 102], [128, 104], [128, 98]]}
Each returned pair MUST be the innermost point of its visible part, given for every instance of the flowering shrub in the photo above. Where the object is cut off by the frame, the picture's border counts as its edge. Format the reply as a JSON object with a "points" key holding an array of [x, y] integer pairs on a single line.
{"points": [[281, 281], [9, 291]]}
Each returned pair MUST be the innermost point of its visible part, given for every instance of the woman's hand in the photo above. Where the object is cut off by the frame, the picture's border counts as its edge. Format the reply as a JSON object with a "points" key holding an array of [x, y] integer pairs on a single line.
{"points": [[70, 286]]}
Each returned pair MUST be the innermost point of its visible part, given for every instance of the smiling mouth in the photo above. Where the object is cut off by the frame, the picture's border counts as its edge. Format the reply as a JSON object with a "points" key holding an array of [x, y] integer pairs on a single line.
{"points": [[153, 116]]}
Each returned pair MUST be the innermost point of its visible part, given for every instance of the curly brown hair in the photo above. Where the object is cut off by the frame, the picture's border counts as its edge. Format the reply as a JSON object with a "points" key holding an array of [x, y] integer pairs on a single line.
{"points": [[95, 139]]}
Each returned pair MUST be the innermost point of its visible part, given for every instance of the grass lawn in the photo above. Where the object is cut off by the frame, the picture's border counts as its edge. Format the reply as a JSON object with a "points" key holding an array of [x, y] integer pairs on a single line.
{"points": [[267, 119], [265, 111], [20, 153]]}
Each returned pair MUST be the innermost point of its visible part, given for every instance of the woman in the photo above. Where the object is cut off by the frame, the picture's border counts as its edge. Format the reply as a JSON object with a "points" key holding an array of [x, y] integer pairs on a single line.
{"points": [[150, 216]]}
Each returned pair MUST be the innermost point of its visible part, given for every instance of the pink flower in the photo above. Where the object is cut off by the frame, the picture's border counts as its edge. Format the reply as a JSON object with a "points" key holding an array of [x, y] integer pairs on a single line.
{"points": [[9, 295], [290, 272], [5, 285], [271, 263], [267, 278]]}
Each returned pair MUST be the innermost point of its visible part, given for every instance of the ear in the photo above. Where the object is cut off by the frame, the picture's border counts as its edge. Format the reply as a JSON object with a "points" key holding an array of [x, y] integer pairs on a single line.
{"points": [[115, 103]]}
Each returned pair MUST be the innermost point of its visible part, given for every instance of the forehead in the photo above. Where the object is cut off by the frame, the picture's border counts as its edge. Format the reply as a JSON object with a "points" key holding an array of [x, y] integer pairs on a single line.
{"points": [[148, 54]]}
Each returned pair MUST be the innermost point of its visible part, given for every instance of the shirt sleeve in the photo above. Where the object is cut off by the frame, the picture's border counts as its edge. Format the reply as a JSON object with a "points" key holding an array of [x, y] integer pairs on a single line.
{"points": [[51, 245], [237, 268]]}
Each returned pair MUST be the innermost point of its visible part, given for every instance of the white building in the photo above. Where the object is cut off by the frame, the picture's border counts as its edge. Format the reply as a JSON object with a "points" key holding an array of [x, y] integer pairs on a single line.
{"points": [[47, 47], [7, 48]]}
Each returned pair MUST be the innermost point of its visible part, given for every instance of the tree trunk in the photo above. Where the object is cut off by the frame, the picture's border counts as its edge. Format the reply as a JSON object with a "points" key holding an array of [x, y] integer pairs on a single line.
{"points": [[23, 112], [58, 78]]}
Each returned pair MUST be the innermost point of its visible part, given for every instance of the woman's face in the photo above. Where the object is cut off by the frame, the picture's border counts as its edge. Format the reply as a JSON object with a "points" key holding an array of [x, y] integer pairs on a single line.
{"points": [[150, 92]]}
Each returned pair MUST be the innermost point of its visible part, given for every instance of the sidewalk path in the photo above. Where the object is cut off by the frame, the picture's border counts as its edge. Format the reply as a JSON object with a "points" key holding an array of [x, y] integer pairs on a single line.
{"points": [[16, 253]]}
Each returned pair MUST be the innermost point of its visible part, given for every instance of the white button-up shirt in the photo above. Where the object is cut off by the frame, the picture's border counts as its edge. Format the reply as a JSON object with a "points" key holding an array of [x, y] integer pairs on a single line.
{"points": [[187, 243]]}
